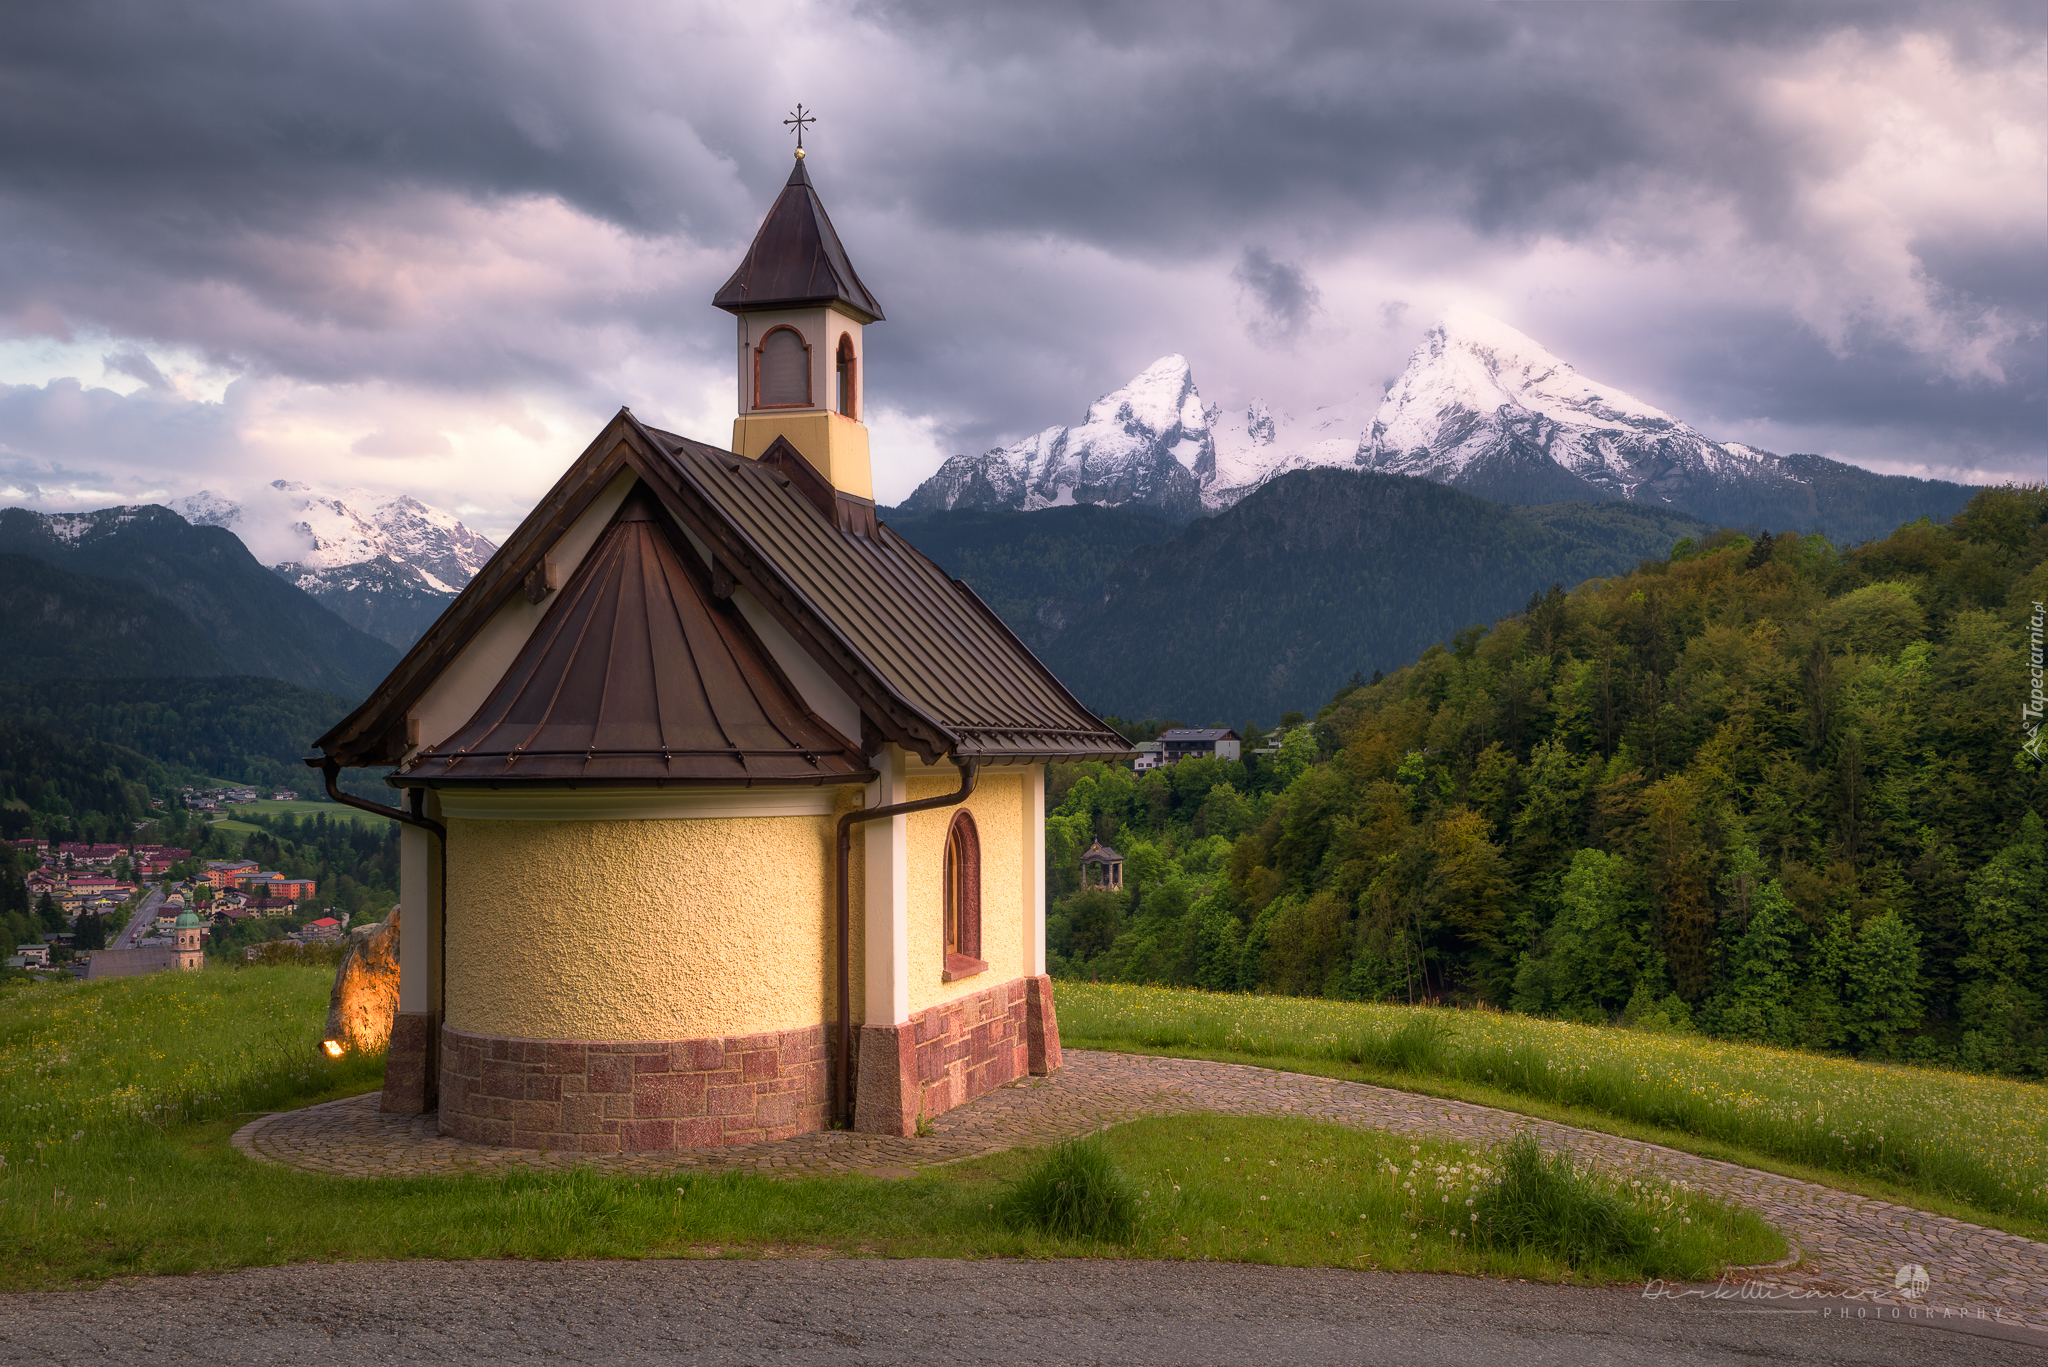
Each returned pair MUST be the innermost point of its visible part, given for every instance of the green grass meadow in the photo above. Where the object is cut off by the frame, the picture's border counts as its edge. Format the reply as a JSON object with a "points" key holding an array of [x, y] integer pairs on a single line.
{"points": [[333, 811], [1959, 1143], [118, 1100]]}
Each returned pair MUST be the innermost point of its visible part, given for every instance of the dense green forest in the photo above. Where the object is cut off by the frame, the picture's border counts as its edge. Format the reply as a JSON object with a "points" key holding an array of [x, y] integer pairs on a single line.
{"points": [[1031, 568], [1268, 607], [1844, 502], [250, 730], [55, 624], [213, 589], [73, 788], [1774, 790]]}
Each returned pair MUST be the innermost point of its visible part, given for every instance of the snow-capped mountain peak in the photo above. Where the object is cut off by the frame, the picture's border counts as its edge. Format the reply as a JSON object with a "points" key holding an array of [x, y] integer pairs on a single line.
{"points": [[1480, 405], [357, 551], [1483, 406], [1480, 364], [1147, 442], [1161, 401], [292, 523]]}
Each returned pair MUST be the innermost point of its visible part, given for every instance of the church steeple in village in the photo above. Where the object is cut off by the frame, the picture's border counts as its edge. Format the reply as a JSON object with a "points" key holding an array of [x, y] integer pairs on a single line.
{"points": [[801, 307]]}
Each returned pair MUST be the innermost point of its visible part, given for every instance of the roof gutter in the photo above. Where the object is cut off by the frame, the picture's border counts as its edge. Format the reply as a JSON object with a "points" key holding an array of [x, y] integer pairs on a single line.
{"points": [[330, 769], [842, 1100]]}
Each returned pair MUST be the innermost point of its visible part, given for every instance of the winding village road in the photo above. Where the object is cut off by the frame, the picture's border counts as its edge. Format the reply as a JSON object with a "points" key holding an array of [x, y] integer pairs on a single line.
{"points": [[1987, 1302]]}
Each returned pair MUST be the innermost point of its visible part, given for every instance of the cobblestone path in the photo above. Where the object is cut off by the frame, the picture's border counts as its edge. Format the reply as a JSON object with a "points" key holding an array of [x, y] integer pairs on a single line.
{"points": [[1845, 1244]]}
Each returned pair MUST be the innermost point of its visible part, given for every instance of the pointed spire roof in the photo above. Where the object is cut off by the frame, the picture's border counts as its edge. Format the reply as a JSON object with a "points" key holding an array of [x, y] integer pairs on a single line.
{"points": [[796, 260], [639, 674]]}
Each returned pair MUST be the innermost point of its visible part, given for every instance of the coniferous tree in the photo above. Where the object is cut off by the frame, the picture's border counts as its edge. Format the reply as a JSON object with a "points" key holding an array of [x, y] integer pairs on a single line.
{"points": [[1883, 996], [1593, 958], [1755, 1004], [89, 931], [2007, 964]]}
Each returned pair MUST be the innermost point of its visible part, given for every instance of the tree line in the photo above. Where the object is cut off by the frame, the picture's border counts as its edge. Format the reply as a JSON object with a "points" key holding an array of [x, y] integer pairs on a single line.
{"points": [[1768, 788]]}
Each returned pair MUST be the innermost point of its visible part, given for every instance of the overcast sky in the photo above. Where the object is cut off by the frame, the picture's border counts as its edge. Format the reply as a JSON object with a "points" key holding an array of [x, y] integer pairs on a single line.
{"points": [[431, 247]]}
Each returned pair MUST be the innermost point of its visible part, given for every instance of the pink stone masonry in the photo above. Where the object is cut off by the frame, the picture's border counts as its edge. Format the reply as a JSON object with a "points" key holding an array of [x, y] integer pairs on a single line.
{"points": [[970, 1046], [949, 1054], [604, 1096], [598, 1096], [409, 1065]]}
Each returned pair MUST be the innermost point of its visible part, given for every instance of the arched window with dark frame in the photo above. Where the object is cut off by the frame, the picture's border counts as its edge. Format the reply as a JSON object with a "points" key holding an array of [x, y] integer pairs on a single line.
{"points": [[782, 370], [847, 387], [963, 898]]}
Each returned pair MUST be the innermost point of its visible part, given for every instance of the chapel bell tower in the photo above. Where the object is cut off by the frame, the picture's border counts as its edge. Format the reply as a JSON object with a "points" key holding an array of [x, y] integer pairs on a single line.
{"points": [[801, 308]]}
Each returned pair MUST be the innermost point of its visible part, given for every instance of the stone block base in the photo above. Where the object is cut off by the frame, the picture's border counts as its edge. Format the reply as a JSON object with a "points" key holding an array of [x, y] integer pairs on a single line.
{"points": [[410, 1066], [887, 1096], [608, 1096], [1041, 1026], [949, 1054]]}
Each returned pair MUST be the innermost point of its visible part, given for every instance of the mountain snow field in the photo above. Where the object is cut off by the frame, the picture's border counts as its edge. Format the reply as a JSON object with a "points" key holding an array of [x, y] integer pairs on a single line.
{"points": [[1480, 406]]}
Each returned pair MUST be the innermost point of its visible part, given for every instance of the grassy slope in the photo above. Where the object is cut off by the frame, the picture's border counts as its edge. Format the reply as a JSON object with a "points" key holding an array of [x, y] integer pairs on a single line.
{"points": [[1972, 1147], [333, 811], [118, 1100]]}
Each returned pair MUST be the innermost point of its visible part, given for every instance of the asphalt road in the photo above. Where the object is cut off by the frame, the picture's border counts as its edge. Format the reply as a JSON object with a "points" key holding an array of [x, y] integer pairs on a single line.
{"points": [[139, 922], [857, 1313]]}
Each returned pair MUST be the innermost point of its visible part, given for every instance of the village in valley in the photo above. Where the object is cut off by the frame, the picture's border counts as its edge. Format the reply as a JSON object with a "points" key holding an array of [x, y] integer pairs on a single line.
{"points": [[109, 910]]}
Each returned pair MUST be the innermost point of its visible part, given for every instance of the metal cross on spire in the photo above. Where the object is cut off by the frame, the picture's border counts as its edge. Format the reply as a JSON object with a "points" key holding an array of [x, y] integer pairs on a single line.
{"points": [[798, 120]]}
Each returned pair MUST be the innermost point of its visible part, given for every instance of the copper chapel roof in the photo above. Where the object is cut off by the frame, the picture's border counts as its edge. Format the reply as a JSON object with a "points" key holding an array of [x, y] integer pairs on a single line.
{"points": [[638, 672], [796, 259], [928, 664]]}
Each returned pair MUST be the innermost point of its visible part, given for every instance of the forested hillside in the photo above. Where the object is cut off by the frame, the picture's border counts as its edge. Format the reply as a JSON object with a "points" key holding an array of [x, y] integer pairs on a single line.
{"points": [[1030, 568], [1771, 790], [253, 618], [247, 729], [94, 790], [58, 625], [1266, 608]]}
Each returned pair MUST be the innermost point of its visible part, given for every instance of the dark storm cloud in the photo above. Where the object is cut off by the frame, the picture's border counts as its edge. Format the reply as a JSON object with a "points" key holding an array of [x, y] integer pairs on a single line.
{"points": [[266, 185], [136, 365], [1171, 129], [1283, 298]]}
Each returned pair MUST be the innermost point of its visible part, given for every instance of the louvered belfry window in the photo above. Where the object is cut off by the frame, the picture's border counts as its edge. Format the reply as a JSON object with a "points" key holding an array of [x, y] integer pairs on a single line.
{"points": [[783, 376]]}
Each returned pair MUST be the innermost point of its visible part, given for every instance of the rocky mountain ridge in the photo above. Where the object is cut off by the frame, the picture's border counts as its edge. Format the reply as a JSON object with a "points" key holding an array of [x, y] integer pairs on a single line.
{"points": [[386, 564], [1480, 406], [148, 563]]}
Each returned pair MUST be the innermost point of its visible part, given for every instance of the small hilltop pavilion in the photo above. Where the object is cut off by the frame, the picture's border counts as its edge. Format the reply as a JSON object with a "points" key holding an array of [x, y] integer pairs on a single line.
{"points": [[724, 807]]}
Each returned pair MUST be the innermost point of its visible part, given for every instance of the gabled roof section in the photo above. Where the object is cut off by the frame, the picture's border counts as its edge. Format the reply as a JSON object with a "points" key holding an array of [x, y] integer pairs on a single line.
{"points": [[637, 674], [938, 652], [930, 667], [796, 260]]}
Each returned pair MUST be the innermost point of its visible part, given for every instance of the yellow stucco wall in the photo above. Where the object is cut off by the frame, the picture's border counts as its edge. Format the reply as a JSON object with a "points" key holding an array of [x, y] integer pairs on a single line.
{"points": [[643, 929], [836, 447], [997, 805]]}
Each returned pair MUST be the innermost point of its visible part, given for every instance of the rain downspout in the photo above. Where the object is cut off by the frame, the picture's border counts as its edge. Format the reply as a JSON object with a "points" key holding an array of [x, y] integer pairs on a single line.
{"points": [[843, 1097]]}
